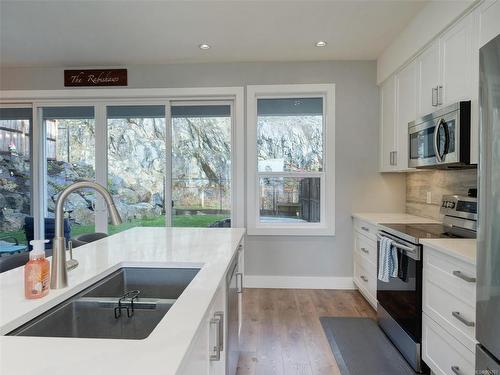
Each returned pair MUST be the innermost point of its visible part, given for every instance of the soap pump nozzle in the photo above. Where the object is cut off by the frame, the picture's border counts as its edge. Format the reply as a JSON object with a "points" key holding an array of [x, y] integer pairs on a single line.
{"points": [[38, 248]]}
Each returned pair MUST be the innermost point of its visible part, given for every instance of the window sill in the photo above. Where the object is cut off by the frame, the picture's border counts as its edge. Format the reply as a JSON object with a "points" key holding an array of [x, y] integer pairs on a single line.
{"points": [[291, 231]]}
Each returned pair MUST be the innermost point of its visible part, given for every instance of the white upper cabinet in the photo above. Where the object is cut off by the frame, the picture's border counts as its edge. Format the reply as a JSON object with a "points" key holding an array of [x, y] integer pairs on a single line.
{"points": [[447, 68], [428, 79], [457, 46], [406, 111], [388, 125], [398, 104], [445, 72], [489, 21]]}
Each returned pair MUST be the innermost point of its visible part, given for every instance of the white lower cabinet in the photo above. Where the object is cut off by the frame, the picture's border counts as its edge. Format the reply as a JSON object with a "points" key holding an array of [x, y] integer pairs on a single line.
{"points": [[448, 318], [218, 333], [365, 260], [207, 354], [443, 353]]}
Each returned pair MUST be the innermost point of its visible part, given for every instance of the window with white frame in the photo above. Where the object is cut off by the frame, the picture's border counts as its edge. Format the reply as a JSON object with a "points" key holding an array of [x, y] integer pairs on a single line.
{"points": [[291, 159]]}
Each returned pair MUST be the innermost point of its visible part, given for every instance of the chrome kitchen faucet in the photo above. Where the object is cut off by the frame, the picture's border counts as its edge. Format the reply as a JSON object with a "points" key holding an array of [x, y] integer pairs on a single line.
{"points": [[59, 269]]}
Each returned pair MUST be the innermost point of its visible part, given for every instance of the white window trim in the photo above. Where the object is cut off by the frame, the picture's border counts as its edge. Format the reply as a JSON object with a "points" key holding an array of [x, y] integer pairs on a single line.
{"points": [[326, 227], [100, 98]]}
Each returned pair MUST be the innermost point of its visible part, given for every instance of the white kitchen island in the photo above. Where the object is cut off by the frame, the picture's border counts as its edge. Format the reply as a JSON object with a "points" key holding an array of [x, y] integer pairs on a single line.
{"points": [[173, 347]]}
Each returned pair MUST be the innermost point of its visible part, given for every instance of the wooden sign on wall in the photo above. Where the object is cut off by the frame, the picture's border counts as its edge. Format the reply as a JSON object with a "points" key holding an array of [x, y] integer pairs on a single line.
{"points": [[95, 77]]}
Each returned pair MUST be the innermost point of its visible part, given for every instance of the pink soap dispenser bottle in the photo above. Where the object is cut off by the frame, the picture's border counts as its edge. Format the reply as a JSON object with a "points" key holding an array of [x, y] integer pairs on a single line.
{"points": [[36, 271]]}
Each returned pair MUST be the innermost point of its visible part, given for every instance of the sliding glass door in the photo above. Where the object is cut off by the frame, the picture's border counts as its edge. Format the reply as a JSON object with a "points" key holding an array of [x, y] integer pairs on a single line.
{"points": [[15, 174], [70, 157], [137, 167], [201, 164], [166, 163]]}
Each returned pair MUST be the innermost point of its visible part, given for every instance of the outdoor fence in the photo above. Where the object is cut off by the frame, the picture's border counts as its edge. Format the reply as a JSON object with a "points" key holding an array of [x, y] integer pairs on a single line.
{"points": [[202, 194], [15, 133]]}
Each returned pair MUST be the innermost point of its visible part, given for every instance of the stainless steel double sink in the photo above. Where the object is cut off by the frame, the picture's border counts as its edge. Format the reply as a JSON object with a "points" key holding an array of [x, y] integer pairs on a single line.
{"points": [[128, 304]]}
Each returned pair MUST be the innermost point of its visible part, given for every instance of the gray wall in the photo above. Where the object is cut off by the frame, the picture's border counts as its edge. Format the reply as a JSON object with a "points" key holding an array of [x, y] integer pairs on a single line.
{"points": [[359, 187]]}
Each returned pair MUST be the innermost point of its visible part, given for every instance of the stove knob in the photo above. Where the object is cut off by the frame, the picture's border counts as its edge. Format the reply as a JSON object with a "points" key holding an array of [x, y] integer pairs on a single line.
{"points": [[452, 205]]}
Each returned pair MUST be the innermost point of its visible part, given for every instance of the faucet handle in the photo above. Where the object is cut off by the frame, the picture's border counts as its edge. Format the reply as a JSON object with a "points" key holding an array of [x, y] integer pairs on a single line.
{"points": [[71, 263]]}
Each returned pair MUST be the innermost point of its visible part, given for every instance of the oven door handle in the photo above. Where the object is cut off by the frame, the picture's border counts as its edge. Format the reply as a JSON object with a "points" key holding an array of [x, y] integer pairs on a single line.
{"points": [[400, 246]]}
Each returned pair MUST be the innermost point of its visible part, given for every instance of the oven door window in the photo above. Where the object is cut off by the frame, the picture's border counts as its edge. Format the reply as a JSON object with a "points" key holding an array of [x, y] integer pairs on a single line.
{"points": [[422, 144], [401, 296]]}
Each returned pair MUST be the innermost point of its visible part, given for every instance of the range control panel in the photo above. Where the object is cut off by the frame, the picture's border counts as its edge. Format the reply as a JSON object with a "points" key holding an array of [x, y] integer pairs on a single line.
{"points": [[461, 206]]}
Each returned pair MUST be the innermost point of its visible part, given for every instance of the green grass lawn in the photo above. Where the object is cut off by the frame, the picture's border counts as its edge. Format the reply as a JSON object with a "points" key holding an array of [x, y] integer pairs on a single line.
{"points": [[192, 221]]}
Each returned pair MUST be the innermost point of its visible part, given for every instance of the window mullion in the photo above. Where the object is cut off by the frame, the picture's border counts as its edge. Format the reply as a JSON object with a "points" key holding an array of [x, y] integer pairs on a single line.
{"points": [[101, 166], [38, 173], [168, 165]]}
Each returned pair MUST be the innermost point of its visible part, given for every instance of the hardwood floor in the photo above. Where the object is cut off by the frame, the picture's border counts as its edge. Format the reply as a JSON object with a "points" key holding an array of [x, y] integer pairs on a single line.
{"points": [[282, 334]]}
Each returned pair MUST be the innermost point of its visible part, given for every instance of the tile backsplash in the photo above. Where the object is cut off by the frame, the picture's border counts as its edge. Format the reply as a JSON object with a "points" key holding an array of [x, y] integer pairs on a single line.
{"points": [[438, 183]]}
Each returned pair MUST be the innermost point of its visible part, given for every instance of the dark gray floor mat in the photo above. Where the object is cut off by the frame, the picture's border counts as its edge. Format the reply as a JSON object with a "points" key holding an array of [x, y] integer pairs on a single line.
{"points": [[361, 348]]}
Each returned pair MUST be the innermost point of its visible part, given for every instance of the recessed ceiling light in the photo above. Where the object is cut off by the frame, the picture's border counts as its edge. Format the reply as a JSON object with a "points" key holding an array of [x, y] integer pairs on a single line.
{"points": [[321, 43], [204, 46]]}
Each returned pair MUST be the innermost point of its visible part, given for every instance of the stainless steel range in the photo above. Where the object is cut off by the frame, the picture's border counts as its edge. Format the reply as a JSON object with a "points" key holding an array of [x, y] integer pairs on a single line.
{"points": [[400, 299]]}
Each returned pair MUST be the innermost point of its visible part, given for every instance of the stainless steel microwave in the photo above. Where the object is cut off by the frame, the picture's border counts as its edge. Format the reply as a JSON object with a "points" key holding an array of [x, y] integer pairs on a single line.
{"points": [[441, 139]]}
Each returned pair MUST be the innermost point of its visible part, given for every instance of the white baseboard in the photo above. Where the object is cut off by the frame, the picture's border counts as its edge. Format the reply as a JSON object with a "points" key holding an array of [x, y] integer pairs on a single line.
{"points": [[298, 282]]}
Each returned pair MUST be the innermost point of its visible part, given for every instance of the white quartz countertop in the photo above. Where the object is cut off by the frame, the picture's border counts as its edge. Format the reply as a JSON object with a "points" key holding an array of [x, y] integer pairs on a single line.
{"points": [[460, 248], [163, 351], [392, 218]]}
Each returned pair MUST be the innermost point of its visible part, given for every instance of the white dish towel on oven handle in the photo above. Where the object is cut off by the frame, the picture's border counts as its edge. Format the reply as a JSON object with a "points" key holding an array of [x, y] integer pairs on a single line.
{"points": [[388, 260]]}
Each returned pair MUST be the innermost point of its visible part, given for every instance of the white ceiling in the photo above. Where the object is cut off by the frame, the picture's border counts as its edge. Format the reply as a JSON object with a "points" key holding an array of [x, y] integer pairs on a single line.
{"points": [[98, 33]]}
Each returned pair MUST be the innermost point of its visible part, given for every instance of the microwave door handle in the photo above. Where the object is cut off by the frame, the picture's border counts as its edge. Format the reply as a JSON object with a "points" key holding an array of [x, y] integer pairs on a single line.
{"points": [[446, 138], [436, 147]]}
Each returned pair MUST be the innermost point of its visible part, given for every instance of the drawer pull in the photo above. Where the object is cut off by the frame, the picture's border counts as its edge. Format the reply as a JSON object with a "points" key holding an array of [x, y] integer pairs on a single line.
{"points": [[457, 315], [456, 370], [364, 278], [364, 250], [239, 282], [462, 276], [365, 229]]}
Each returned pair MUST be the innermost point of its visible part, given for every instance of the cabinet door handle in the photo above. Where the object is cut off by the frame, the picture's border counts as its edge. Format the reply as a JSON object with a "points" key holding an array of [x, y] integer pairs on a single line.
{"points": [[215, 353], [393, 156], [440, 95], [220, 315], [434, 96], [365, 229], [239, 282], [364, 250], [456, 370], [364, 278], [218, 322], [462, 276], [458, 316]]}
